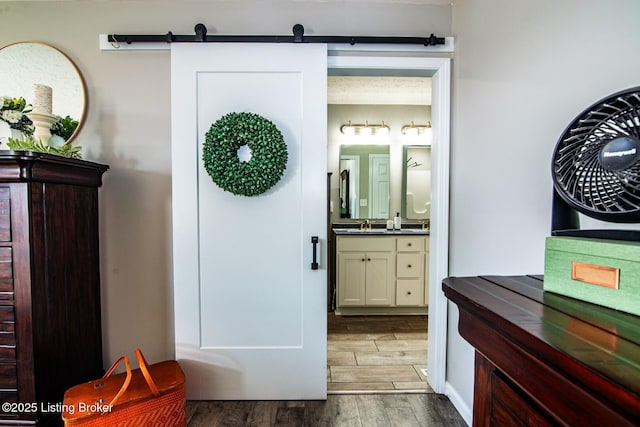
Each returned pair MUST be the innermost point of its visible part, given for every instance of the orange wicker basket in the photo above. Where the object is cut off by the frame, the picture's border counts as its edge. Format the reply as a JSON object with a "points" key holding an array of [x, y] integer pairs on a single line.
{"points": [[153, 395]]}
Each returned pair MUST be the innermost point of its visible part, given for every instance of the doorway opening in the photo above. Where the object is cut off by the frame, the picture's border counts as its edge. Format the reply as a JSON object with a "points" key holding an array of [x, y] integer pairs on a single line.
{"points": [[364, 351]]}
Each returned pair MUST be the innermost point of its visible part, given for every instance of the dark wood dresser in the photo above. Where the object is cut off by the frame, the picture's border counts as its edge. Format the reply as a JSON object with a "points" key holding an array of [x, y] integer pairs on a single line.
{"points": [[544, 359], [50, 320]]}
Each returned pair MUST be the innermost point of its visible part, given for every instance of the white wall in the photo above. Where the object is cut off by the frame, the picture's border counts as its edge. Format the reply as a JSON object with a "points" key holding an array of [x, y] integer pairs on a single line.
{"points": [[522, 71]]}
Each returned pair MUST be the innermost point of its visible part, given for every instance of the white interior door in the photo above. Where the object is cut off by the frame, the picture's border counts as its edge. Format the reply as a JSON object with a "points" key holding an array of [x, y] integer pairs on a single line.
{"points": [[250, 313], [379, 186]]}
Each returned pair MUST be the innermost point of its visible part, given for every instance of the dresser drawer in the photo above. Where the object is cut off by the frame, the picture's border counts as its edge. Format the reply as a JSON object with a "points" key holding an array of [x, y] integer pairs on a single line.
{"points": [[8, 376], [8, 353], [5, 215], [410, 265], [408, 292], [6, 273], [7, 327], [8, 339], [8, 395], [6, 313], [410, 244]]}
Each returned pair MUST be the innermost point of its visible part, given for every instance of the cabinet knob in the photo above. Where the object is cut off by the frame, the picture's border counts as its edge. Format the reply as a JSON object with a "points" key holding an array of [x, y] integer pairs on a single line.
{"points": [[363, 260], [409, 266], [368, 259], [408, 292], [409, 244]]}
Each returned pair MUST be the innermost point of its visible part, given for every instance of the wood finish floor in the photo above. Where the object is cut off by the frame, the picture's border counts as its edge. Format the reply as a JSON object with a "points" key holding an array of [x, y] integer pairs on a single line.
{"points": [[344, 410], [377, 354], [374, 372]]}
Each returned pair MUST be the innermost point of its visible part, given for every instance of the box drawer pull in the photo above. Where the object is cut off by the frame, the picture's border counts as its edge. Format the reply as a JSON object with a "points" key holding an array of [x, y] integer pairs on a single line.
{"points": [[599, 275]]}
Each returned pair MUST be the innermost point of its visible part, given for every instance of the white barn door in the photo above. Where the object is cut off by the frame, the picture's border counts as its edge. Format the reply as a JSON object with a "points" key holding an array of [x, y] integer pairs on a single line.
{"points": [[250, 313]]}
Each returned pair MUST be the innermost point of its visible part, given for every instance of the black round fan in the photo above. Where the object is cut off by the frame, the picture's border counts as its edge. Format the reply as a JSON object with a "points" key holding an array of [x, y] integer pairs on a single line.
{"points": [[596, 162]]}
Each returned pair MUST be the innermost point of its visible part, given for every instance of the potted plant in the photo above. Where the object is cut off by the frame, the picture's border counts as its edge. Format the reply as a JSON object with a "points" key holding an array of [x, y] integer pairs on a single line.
{"points": [[62, 130], [14, 122]]}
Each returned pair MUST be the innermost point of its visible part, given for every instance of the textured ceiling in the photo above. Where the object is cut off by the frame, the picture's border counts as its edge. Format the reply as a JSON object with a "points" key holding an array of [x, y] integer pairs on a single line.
{"points": [[379, 90]]}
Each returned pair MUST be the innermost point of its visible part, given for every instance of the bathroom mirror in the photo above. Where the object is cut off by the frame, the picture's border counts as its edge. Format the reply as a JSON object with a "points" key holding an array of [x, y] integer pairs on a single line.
{"points": [[364, 181], [416, 182], [24, 64]]}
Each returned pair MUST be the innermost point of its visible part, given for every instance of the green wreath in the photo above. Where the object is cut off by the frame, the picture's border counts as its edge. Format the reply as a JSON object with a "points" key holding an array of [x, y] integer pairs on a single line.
{"points": [[268, 153]]}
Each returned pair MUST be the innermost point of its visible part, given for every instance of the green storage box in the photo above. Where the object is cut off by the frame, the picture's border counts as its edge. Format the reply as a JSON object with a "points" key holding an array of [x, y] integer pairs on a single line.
{"points": [[603, 272]]}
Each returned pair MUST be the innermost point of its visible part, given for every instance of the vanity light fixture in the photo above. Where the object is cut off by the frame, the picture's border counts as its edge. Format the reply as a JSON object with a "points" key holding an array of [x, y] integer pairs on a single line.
{"points": [[416, 130], [365, 129]]}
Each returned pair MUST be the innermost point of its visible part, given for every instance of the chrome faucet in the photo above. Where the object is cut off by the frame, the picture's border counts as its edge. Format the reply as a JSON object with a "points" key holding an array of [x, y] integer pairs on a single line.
{"points": [[366, 225], [426, 225]]}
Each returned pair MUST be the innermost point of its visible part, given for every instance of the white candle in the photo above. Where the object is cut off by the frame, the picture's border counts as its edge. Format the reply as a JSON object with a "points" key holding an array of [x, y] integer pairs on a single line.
{"points": [[42, 95]]}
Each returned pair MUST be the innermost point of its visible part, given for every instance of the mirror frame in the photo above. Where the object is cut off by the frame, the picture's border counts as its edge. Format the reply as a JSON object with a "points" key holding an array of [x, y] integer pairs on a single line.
{"points": [[83, 85]]}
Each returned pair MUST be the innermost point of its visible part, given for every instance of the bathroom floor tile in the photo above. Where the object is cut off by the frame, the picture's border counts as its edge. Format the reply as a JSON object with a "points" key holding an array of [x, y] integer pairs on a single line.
{"points": [[378, 354]]}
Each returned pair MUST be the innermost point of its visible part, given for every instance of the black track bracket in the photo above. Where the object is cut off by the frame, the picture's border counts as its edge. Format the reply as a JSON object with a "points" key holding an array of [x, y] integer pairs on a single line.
{"points": [[297, 37]]}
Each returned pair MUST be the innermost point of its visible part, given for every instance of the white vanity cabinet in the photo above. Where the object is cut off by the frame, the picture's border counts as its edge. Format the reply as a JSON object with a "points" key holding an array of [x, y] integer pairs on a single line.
{"points": [[366, 268], [382, 274], [410, 269]]}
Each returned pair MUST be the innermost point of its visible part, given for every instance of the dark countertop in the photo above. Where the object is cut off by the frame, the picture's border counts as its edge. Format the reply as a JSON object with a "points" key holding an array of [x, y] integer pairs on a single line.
{"points": [[380, 232]]}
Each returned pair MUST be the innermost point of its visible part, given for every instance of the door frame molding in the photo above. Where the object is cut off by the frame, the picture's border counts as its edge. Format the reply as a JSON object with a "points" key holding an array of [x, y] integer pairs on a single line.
{"points": [[389, 59]]}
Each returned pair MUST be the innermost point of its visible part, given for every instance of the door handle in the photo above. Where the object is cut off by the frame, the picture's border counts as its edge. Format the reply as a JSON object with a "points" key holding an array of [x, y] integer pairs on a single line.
{"points": [[314, 242]]}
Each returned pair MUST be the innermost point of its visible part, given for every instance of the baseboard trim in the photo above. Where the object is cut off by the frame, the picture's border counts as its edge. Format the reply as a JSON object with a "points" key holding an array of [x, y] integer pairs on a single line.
{"points": [[459, 403]]}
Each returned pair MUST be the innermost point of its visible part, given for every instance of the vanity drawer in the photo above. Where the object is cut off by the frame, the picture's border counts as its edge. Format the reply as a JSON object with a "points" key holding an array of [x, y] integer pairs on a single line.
{"points": [[408, 292], [366, 244], [410, 265], [410, 244]]}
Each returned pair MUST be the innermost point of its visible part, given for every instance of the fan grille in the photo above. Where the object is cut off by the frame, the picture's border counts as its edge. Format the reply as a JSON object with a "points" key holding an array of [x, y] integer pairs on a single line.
{"points": [[583, 178]]}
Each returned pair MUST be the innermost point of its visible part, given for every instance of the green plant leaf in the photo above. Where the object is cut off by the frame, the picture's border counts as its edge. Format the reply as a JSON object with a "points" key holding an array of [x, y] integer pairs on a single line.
{"points": [[31, 144]]}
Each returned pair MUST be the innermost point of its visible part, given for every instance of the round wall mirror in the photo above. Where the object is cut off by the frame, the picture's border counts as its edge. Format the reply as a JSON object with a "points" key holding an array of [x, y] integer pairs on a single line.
{"points": [[25, 65]]}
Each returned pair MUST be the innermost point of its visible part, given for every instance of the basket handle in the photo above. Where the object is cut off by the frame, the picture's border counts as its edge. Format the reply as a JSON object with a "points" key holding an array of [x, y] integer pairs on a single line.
{"points": [[142, 363], [127, 380]]}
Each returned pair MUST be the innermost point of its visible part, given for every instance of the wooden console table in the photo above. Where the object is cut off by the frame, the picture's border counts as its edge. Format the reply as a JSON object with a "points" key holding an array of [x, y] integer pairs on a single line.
{"points": [[544, 359]]}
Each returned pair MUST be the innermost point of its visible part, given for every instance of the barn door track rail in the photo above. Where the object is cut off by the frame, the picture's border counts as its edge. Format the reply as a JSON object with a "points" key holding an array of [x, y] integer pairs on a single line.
{"points": [[297, 37]]}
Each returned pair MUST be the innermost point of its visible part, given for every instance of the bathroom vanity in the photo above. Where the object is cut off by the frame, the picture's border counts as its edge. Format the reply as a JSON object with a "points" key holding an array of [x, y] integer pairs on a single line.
{"points": [[381, 272]]}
